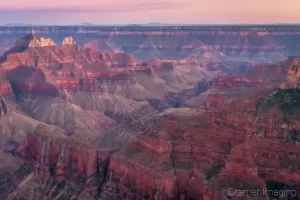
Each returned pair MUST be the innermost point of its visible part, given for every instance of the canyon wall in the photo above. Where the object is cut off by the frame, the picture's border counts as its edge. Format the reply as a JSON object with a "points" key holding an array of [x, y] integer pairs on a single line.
{"points": [[263, 44], [171, 158], [293, 76], [76, 149]]}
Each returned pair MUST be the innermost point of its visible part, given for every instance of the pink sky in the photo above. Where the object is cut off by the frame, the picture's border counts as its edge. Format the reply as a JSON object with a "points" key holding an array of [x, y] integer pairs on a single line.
{"points": [[143, 11]]}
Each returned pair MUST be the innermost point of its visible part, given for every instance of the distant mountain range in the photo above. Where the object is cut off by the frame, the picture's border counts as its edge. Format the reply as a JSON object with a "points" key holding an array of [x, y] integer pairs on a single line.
{"points": [[147, 24], [17, 25], [91, 24], [87, 24]]}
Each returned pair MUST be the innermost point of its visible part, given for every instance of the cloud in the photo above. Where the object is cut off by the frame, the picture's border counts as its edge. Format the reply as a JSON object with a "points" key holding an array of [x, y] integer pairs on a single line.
{"points": [[143, 11], [98, 5]]}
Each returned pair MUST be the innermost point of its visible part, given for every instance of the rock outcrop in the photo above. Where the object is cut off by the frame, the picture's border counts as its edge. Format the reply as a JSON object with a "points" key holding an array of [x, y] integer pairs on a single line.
{"points": [[5, 87], [259, 77], [293, 76], [68, 41], [214, 102], [31, 41], [229, 81], [157, 63], [24, 52]]}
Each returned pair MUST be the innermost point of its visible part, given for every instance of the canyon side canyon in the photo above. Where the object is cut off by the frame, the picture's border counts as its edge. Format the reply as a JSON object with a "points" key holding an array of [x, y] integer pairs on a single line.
{"points": [[150, 113]]}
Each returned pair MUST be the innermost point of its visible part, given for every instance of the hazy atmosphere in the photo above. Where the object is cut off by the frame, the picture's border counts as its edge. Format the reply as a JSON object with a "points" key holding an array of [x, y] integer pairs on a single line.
{"points": [[50, 12], [149, 100]]}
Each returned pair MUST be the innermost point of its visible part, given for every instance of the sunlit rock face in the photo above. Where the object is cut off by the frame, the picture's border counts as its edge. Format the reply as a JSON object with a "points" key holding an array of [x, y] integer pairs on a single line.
{"points": [[35, 51], [68, 41], [30, 41], [293, 76]]}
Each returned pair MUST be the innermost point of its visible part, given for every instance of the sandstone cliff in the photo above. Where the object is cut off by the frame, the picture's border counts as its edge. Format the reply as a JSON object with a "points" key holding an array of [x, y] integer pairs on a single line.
{"points": [[293, 76]]}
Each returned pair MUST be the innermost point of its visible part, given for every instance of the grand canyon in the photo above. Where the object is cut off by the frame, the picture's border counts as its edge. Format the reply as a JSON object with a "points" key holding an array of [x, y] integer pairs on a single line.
{"points": [[150, 113]]}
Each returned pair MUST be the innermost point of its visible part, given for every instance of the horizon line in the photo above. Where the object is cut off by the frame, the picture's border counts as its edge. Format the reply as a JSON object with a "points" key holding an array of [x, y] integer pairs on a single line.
{"points": [[17, 24]]}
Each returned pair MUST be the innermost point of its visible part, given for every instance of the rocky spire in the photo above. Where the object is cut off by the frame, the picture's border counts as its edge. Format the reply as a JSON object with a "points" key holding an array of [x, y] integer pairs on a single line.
{"points": [[32, 41], [293, 77], [68, 41]]}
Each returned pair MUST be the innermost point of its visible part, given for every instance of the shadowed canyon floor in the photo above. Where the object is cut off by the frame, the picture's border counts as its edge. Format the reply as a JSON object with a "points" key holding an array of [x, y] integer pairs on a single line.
{"points": [[147, 120]]}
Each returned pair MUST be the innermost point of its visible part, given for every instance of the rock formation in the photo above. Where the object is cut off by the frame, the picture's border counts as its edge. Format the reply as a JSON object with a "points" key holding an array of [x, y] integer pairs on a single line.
{"points": [[172, 158], [68, 41], [83, 69], [24, 52], [257, 43], [214, 102], [31, 41], [72, 141], [157, 63], [5, 87], [228, 81], [293, 76]]}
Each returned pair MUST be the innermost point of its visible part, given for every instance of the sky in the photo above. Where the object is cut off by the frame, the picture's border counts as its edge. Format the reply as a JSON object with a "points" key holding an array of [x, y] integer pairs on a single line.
{"points": [[69, 12]]}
